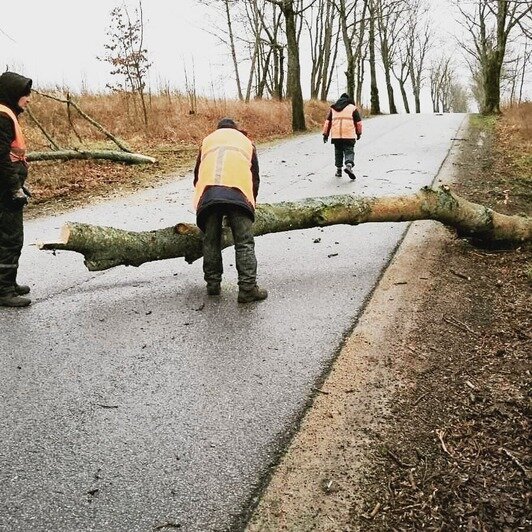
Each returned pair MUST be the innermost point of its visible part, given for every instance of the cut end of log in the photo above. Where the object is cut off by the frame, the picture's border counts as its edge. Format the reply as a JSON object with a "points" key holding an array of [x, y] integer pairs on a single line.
{"points": [[186, 229], [64, 236], [56, 244]]}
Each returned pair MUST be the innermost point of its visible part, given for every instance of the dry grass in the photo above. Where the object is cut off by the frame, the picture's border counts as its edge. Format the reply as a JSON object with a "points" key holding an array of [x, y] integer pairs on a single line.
{"points": [[515, 137], [172, 136], [171, 119]]}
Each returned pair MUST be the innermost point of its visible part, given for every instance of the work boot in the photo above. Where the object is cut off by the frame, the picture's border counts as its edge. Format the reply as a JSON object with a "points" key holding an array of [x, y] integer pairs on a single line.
{"points": [[22, 289], [349, 171], [213, 289], [254, 294], [338, 172], [14, 300]]}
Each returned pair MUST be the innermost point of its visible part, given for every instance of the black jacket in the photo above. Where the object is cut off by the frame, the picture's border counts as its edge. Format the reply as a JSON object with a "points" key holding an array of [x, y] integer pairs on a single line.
{"points": [[12, 175]]}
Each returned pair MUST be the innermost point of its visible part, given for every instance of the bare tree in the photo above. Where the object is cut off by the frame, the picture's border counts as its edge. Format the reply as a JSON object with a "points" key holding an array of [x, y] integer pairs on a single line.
{"points": [[389, 14], [374, 90], [352, 16], [490, 24], [401, 69], [458, 98], [516, 73], [321, 24], [127, 54], [226, 35], [290, 12], [421, 45], [265, 21], [447, 94], [418, 42], [527, 60], [227, 9]]}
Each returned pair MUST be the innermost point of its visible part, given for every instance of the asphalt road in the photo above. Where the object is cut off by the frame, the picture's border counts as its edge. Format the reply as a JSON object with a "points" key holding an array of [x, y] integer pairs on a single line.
{"points": [[130, 400]]}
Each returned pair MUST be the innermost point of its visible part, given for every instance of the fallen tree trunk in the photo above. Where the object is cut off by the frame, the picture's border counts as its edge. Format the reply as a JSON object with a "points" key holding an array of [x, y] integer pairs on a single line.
{"points": [[67, 155], [106, 247]]}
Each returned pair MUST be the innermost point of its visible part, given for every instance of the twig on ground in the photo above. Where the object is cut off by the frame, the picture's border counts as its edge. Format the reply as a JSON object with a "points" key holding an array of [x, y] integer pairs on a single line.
{"points": [[399, 461], [167, 525], [461, 275], [105, 406], [459, 324], [373, 512], [418, 400], [440, 434], [516, 462], [403, 508]]}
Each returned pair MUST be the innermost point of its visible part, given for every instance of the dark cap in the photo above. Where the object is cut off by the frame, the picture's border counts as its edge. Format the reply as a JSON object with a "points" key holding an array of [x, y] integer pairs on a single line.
{"points": [[227, 123]]}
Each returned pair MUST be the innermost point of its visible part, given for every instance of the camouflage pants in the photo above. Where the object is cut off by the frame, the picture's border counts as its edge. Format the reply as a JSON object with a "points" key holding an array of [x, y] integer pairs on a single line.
{"points": [[242, 228], [11, 240]]}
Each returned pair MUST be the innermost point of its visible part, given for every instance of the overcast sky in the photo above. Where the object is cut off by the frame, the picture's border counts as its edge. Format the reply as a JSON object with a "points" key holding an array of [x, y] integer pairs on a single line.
{"points": [[58, 41]]}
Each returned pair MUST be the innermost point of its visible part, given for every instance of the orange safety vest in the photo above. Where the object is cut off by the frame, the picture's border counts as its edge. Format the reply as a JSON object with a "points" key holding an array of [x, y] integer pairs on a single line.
{"points": [[18, 146], [225, 161], [342, 126]]}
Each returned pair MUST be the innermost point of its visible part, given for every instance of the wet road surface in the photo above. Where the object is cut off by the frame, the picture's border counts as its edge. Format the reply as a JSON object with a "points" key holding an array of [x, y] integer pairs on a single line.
{"points": [[130, 400]]}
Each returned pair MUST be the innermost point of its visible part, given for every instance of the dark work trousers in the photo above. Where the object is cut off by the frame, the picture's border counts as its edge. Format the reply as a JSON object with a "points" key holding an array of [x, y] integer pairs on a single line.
{"points": [[242, 229], [11, 240], [344, 149]]}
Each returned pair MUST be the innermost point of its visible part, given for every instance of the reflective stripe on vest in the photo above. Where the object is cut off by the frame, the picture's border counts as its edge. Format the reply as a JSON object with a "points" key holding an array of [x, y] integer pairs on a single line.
{"points": [[343, 126], [18, 146], [225, 161]]}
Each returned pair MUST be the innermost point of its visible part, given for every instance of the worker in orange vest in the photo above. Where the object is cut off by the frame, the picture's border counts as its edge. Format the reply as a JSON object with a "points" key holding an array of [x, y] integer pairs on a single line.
{"points": [[226, 181], [14, 97], [344, 125]]}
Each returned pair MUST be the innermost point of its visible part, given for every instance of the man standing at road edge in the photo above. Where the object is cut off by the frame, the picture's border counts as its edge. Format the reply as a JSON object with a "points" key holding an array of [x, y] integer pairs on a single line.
{"points": [[15, 93], [226, 181]]}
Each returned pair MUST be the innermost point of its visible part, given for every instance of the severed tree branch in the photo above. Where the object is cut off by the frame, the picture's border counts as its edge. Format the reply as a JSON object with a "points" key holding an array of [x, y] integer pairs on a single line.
{"points": [[106, 247]]}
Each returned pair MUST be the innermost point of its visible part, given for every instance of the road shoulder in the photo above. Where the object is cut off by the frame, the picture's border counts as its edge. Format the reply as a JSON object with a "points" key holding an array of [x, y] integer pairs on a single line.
{"points": [[422, 419], [315, 486]]}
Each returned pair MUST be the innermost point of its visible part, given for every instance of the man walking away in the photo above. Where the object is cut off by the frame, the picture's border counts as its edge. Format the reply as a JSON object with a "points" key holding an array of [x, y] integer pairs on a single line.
{"points": [[14, 96], [226, 179], [344, 125]]}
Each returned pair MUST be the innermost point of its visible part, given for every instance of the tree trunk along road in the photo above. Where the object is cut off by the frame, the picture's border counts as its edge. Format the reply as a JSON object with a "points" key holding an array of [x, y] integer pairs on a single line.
{"points": [[107, 247], [130, 400]]}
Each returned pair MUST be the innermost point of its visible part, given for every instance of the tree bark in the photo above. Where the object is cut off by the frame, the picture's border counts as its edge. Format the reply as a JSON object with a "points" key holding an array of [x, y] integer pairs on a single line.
{"points": [[67, 155], [233, 49], [106, 247], [374, 90], [294, 68]]}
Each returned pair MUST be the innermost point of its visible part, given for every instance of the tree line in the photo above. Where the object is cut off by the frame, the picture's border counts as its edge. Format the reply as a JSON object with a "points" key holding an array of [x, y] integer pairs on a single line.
{"points": [[268, 39]]}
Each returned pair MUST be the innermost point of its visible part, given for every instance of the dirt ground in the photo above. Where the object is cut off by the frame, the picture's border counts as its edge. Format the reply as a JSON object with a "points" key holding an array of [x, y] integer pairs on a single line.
{"points": [[424, 420]]}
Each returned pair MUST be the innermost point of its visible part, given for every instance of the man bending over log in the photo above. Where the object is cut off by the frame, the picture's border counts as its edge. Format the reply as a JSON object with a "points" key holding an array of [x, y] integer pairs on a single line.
{"points": [[226, 179]]}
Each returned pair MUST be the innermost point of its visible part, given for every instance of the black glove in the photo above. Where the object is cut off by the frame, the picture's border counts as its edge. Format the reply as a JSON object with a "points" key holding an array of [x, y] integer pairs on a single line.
{"points": [[26, 191], [325, 137], [18, 198]]}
